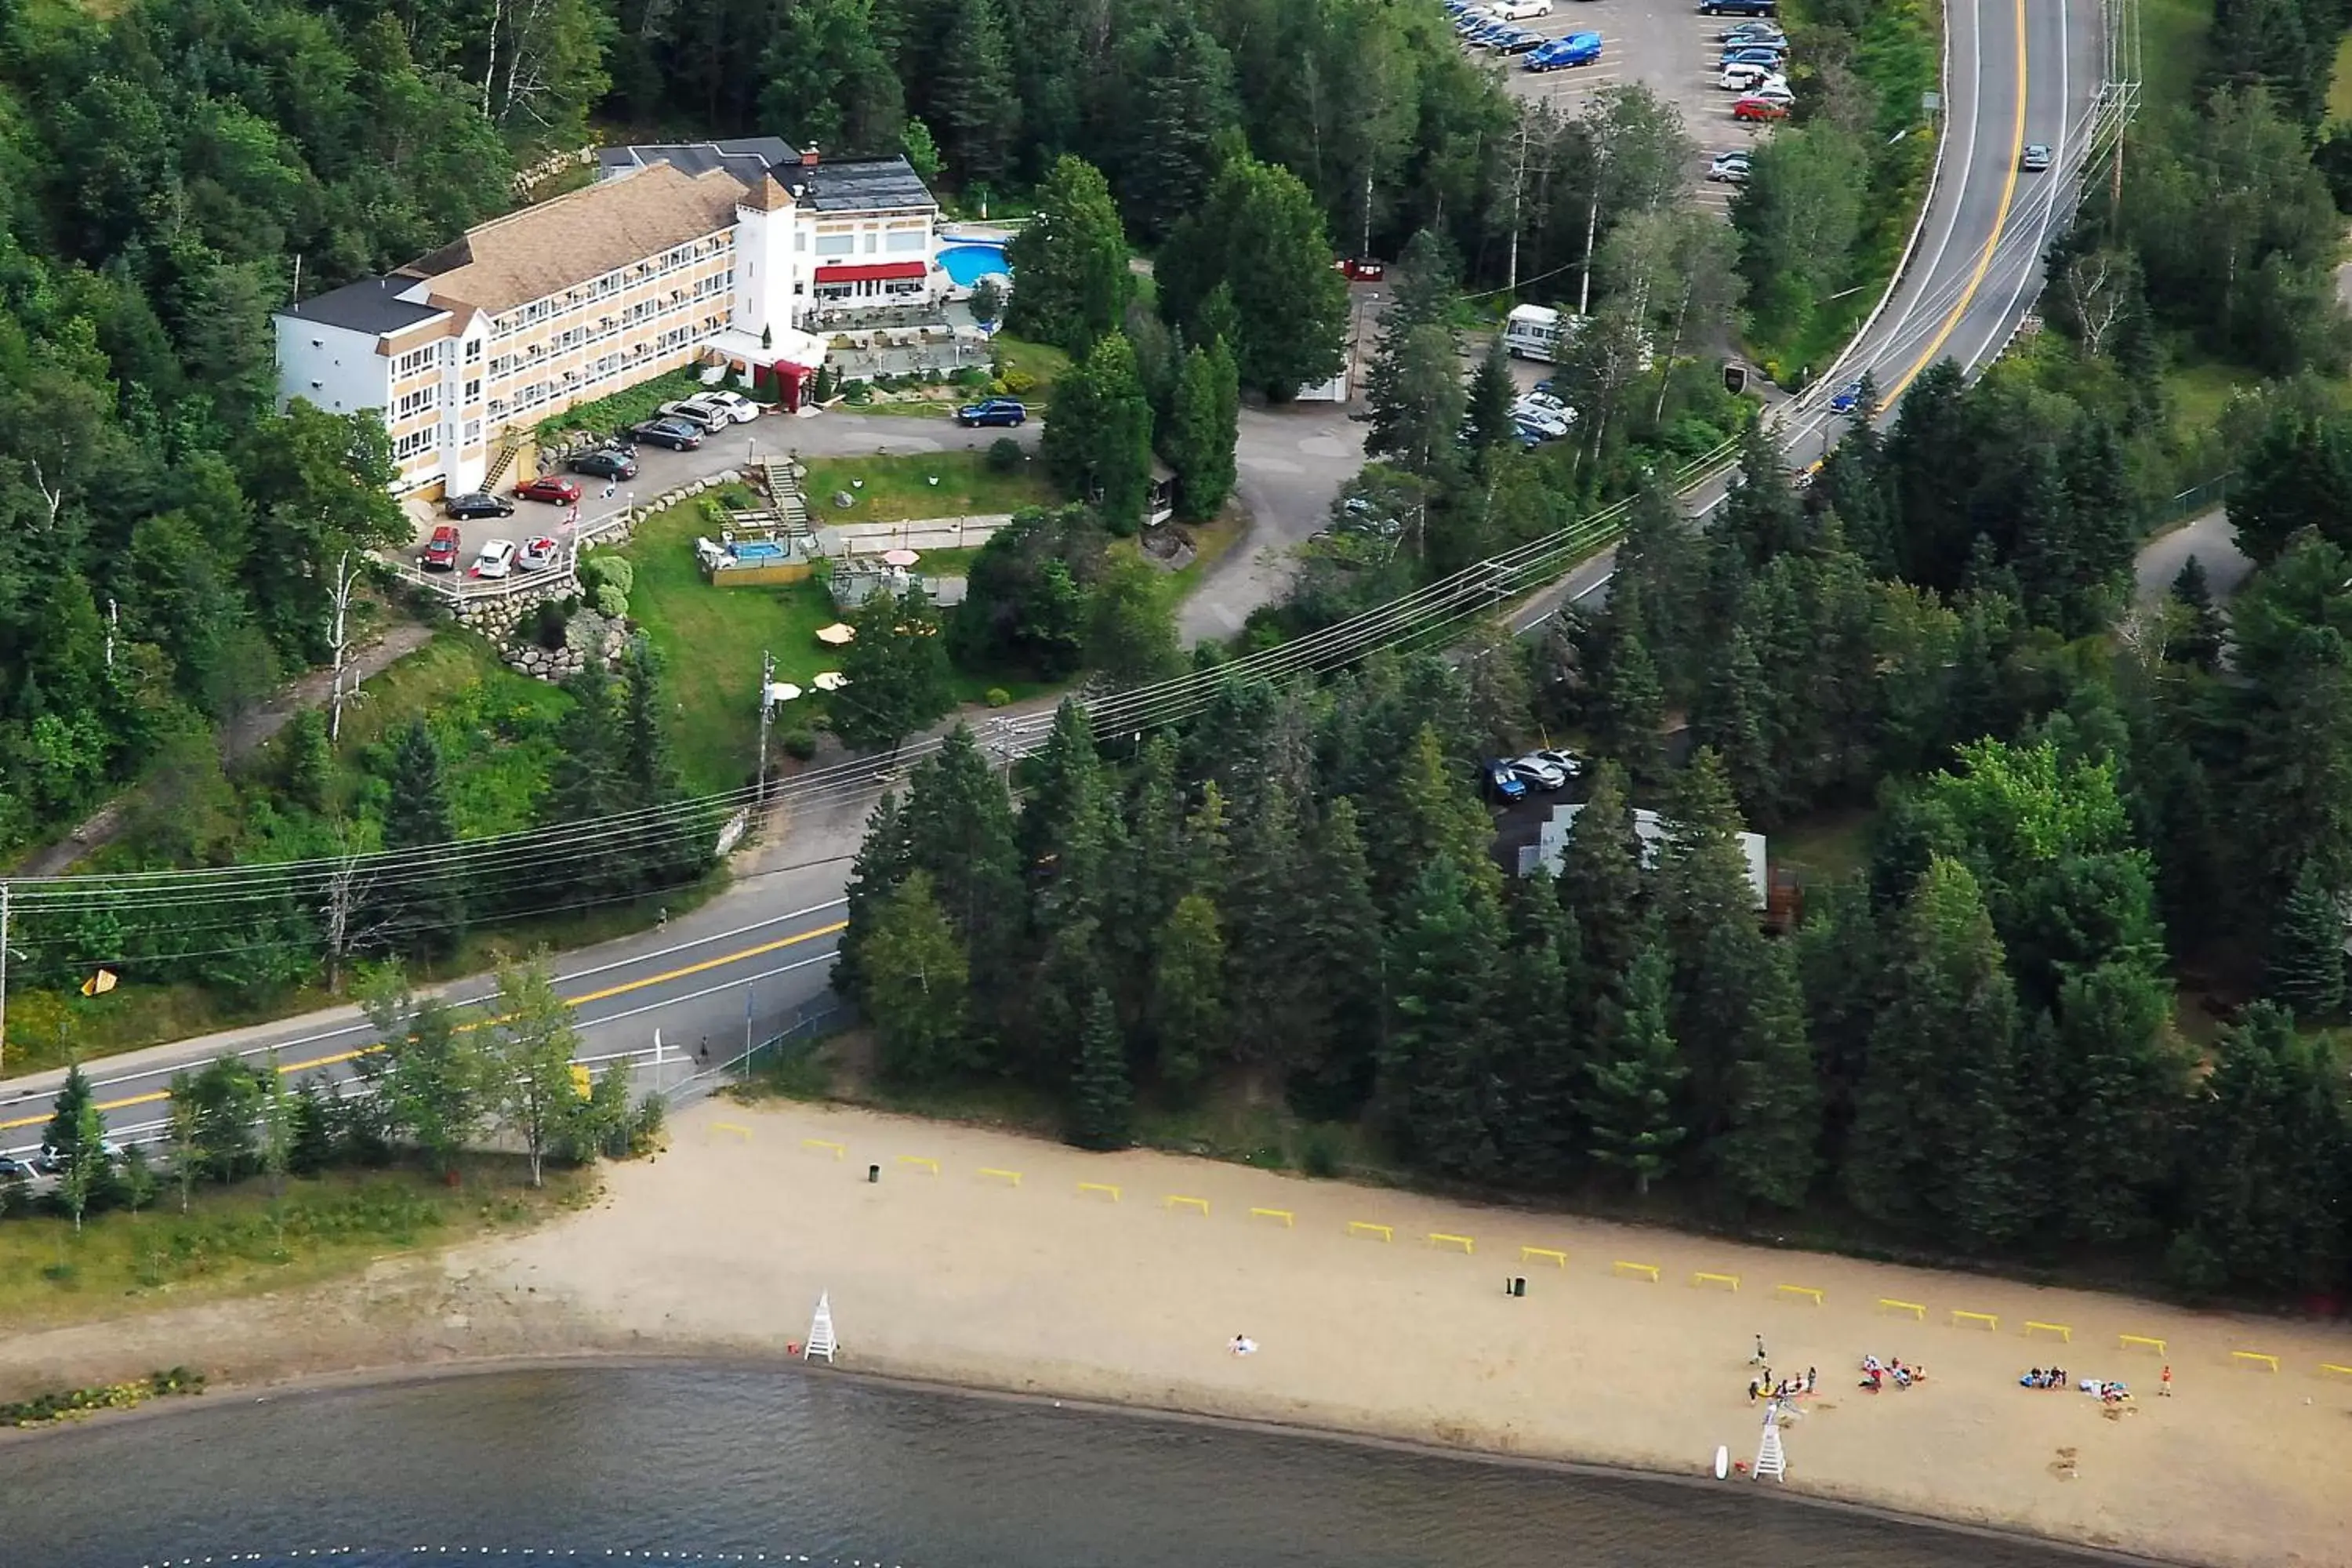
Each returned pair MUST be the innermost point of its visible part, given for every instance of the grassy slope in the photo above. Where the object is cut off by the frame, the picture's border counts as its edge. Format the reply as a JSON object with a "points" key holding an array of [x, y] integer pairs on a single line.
{"points": [[896, 490]]}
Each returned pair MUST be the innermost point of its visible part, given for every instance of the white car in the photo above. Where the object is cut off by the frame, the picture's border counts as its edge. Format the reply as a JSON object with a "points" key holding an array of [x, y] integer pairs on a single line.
{"points": [[497, 559], [1746, 75], [1773, 89], [1542, 774], [696, 413], [1520, 10], [734, 404], [1731, 168], [538, 554]]}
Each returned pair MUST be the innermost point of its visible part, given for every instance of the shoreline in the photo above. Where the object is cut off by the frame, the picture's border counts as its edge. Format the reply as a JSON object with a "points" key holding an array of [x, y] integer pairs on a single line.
{"points": [[1075, 1281], [691, 1358]]}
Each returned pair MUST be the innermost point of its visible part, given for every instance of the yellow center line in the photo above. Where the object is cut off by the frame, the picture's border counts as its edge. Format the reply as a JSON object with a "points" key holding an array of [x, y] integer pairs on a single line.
{"points": [[2000, 222], [622, 989]]}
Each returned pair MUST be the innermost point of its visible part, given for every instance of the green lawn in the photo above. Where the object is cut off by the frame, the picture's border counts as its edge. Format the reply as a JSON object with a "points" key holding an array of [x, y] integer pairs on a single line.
{"points": [[495, 729], [2173, 50], [607, 414], [710, 640], [899, 489], [2340, 86], [1041, 363]]}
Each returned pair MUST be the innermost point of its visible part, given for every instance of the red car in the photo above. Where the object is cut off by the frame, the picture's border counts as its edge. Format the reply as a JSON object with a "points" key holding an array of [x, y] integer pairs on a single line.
{"points": [[549, 488], [1759, 108], [1362, 269], [441, 550]]}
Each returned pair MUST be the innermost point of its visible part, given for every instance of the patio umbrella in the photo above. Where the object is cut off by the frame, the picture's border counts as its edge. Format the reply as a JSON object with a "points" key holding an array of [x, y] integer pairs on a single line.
{"points": [[899, 558], [830, 680], [782, 691], [837, 634]]}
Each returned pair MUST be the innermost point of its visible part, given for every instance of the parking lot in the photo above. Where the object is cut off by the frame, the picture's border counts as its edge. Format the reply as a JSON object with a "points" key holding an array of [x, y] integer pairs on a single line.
{"points": [[1665, 45]]}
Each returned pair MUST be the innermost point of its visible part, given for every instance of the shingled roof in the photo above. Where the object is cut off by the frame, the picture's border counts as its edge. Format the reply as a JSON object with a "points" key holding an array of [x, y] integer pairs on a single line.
{"points": [[584, 234]]}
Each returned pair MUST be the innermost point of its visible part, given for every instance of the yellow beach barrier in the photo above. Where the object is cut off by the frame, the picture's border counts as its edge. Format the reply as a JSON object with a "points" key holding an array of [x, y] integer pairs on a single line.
{"points": [[1440, 1238], [2141, 1341], [1105, 1188], [1629, 1269], [1793, 1291], [1699, 1279], [736, 1129], [2255, 1358], [2328, 1367], [1010, 1178], [1289, 1221], [920, 1162], [1549, 1254], [1175, 1201], [1370, 1231], [837, 1150], [2060, 1330], [1990, 1321], [1889, 1304]]}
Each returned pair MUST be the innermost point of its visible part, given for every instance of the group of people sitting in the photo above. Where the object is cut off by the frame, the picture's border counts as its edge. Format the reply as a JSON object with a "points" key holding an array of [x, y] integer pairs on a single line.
{"points": [[1765, 1387], [2055, 1377], [1875, 1374]]}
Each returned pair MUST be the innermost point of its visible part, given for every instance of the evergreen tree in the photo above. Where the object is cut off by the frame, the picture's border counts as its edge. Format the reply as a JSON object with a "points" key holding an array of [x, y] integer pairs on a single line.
{"points": [[1706, 907], [1635, 1075], [920, 989], [1760, 512], [973, 95], [2199, 641], [1071, 262], [1430, 812], [584, 781], [1099, 442], [1266, 1006], [1102, 1096], [1492, 393], [1539, 1056], [309, 760], [670, 848], [895, 669], [1633, 721], [1730, 719], [1415, 402], [1602, 881], [1258, 233], [1770, 1149], [422, 908], [1187, 98], [61, 1139], [883, 858], [959, 828], [315, 1146], [1187, 1007], [2122, 1077], [1203, 427], [1064, 779], [1436, 1065], [2307, 956], [1340, 968], [1934, 1125]]}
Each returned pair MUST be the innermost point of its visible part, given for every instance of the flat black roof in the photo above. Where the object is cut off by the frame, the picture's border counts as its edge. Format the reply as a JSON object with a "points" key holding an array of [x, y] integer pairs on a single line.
{"points": [[863, 184], [745, 157], [372, 305]]}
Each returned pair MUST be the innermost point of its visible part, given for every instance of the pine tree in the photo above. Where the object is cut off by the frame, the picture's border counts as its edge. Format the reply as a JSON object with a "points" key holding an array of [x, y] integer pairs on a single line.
{"points": [[584, 781], [1436, 1064], [422, 906], [1771, 1150], [669, 849], [973, 97], [1539, 1054], [1340, 962], [1102, 1096], [1730, 717], [1260, 900], [959, 828], [921, 992], [1203, 427], [1062, 779], [1934, 1126], [1187, 98], [884, 859], [895, 669], [1492, 393], [2123, 1078], [2307, 956], [1705, 906], [1633, 719], [1603, 884], [1634, 1075], [309, 760], [2200, 642], [1071, 261], [1187, 1006], [1432, 812], [1258, 233], [1098, 443], [1760, 512]]}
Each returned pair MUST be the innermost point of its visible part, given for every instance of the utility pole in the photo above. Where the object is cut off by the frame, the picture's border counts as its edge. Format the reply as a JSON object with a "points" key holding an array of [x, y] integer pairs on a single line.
{"points": [[344, 578], [3, 975], [1591, 230], [1367, 247], [767, 708], [113, 622], [1519, 186]]}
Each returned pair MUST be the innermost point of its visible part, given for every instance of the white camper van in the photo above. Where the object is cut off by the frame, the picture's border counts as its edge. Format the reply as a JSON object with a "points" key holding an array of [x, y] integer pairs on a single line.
{"points": [[1532, 331]]}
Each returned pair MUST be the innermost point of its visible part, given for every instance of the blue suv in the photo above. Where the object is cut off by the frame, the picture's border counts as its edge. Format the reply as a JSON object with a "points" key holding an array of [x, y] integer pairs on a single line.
{"points": [[1005, 411], [1575, 49]]}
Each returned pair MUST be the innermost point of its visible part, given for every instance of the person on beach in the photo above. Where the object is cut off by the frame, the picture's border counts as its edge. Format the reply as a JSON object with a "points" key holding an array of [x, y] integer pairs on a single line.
{"points": [[1810, 1375], [1757, 1359], [1243, 1346], [1755, 1391], [2163, 1387]]}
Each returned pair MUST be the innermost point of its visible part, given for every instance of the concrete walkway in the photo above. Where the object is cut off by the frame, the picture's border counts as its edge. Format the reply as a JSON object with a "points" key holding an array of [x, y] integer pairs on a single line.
{"points": [[2209, 538]]}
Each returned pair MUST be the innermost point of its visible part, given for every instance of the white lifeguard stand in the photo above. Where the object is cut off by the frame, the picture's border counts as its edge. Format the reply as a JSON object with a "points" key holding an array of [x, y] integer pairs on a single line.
{"points": [[1769, 1461], [821, 1342]]}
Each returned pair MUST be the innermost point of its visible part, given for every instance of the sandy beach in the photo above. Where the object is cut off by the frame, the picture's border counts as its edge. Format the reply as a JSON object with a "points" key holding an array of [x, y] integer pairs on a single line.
{"points": [[979, 1259]]}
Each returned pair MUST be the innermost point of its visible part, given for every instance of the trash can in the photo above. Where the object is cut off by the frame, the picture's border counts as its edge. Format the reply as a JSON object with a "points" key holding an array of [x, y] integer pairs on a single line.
{"points": [[1519, 1284], [873, 1172]]}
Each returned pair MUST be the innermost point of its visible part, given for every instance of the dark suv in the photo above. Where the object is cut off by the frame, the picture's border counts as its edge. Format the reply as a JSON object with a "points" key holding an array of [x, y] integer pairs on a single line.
{"points": [[674, 433], [604, 464], [481, 503], [1739, 7]]}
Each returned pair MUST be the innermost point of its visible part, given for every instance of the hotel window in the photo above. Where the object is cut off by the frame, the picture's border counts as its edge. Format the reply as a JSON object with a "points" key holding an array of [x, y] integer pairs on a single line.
{"points": [[473, 351], [412, 362], [902, 241], [497, 408], [473, 432], [411, 404], [473, 392], [835, 244], [408, 446]]}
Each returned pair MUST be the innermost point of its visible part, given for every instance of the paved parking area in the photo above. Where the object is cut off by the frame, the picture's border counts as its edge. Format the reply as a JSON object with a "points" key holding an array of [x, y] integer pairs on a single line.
{"points": [[828, 435], [1666, 46]]}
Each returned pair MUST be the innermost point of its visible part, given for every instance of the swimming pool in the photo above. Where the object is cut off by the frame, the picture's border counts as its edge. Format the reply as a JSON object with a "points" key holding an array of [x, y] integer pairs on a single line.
{"points": [[970, 262], [756, 550]]}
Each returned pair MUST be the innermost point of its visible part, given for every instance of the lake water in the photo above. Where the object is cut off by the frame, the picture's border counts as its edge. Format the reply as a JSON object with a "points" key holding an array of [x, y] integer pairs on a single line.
{"points": [[692, 1464]]}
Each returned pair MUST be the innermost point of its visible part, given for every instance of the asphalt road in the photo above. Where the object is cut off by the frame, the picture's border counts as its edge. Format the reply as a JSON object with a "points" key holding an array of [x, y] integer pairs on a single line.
{"points": [[2016, 74]]}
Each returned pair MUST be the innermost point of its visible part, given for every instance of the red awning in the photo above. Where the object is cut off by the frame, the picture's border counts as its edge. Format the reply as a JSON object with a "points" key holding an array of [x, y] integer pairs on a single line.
{"points": [[872, 273]]}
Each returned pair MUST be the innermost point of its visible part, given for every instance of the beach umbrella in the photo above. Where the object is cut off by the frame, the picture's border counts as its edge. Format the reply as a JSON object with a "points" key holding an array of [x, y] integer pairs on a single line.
{"points": [[782, 691], [837, 634], [899, 558], [831, 680]]}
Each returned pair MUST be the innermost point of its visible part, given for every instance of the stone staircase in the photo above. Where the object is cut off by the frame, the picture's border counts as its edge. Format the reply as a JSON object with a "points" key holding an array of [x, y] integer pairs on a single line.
{"points": [[780, 477]]}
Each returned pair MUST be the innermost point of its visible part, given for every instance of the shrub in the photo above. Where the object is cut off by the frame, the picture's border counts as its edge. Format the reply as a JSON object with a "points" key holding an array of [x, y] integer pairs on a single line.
{"points": [[799, 744], [605, 570], [855, 390], [971, 375], [547, 623], [997, 697], [612, 603], [1019, 382], [1004, 456]]}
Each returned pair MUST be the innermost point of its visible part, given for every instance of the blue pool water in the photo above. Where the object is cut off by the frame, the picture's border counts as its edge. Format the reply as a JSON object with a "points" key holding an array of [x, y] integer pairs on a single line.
{"points": [[757, 550], [970, 262]]}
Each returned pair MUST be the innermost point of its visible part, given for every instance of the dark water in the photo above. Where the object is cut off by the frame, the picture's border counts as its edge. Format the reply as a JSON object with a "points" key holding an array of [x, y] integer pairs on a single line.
{"points": [[700, 1465]]}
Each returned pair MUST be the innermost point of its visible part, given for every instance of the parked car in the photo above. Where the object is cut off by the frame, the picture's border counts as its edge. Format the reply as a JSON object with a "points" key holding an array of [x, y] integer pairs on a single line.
{"points": [[1739, 7], [696, 413], [1745, 76], [1752, 33], [1499, 780], [1519, 43], [737, 406], [441, 550], [1520, 10], [1538, 773], [1759, 108], [11, 1167], [480, 503], [550, 488], [603, 464], [2034, 159], [1486, 33], [1847, 398], [1362, 269], [1552, 424], [539, 554], [1731, 168], [1566, 761], [497, 559], [1753, 55], [1776, 89], [676, 434], [1009, 412], [1574, 49]]}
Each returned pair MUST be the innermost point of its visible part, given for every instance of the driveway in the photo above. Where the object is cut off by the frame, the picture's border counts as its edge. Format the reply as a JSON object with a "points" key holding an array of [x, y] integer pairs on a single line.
{"points": [[2209, 539], [1293, 459], [827, 435]]}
